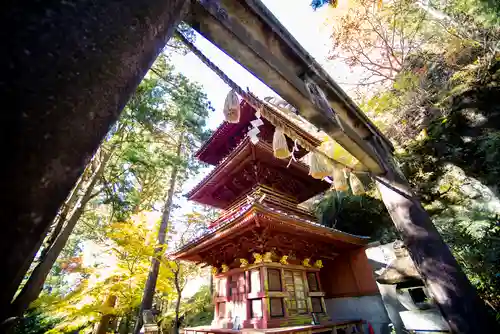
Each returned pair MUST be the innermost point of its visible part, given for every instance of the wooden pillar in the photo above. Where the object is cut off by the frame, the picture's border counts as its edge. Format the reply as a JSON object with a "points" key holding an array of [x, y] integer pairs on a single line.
{"points": [[68, 69], [266, 306], [457, 299]]}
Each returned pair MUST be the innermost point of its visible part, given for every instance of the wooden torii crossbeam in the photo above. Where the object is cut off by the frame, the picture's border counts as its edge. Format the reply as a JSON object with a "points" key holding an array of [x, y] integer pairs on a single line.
{"points": [[70, 67]]}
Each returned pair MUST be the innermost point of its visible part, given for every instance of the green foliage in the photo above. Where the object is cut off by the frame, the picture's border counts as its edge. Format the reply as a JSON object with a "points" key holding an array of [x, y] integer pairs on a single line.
{"points": [[453, 163], [441, 110], [116, 236], [35, 322], [199, 309], [484, 12], [361, 215], [165, 104]]}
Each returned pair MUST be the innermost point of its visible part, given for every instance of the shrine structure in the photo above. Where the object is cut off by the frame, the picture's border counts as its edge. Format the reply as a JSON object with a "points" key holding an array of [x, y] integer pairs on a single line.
{"points": [[275, 268]]}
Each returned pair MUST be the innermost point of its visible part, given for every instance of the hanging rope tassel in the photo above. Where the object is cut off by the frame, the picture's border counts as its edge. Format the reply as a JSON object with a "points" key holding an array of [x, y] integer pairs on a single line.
{"points": [[295, 149], [280, 146], [232, 107], [339, 179], [319, 167], [357, 187]]}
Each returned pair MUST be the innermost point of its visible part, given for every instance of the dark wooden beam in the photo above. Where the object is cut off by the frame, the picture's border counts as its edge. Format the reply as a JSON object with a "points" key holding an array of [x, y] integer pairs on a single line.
{"points": [[240, 33], [68, 68]]}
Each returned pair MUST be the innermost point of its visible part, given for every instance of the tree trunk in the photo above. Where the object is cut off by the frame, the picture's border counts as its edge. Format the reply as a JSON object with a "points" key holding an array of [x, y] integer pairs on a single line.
{"points": [[211, 280], [177, 311], [70, 67], [149, 289], [106, 319], [179, 297], [34, 285], [456, 297], [62, 215]]}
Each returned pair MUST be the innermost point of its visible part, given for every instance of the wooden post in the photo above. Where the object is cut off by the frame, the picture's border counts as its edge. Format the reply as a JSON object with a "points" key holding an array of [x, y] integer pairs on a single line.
{"points": [[69, 67], [457, 299]]}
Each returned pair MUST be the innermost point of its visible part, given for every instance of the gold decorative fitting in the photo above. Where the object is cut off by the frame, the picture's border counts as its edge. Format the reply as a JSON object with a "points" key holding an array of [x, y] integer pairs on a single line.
{"points": [[225, 268], [232, 107], [214, 271], [257, 257], [318, 264], [268, 257], [244, 263], [284, 259], [306, 263]]}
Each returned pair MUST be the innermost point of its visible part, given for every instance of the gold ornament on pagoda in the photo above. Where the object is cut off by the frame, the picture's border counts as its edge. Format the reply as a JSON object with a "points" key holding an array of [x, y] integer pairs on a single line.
{"points": [[267, 257], [318, 264], [306, 263], [214, 271], [225, 268], [257, 257], [284, 259], [244, 263]]}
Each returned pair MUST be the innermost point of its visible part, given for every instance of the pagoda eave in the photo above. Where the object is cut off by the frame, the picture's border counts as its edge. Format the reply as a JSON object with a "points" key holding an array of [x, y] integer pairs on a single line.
{"points": [[262, 229]]}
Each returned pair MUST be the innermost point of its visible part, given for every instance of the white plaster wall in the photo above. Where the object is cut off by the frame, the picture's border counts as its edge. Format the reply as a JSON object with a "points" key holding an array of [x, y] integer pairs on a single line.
{"points": [[369, 308]]}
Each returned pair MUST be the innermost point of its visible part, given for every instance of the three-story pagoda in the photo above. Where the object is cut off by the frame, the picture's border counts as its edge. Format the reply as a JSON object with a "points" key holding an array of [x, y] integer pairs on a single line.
{"points": [[266, 250]]}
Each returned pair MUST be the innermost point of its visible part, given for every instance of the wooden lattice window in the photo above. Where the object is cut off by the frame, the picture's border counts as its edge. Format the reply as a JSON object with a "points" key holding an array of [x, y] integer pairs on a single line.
{"points": [[312, 281], [276, 307], [274, 279], [317, 306], [237, 284], [295, 287]]}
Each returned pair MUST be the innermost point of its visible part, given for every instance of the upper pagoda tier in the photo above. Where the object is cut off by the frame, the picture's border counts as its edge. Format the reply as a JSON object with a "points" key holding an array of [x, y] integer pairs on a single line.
{"points": [[249, 166], [229, 135]]}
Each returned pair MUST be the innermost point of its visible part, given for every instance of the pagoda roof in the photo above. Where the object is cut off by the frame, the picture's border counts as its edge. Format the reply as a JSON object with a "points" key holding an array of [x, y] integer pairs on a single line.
{"points": [[258, 227], [227, 136], [249, 166]]}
